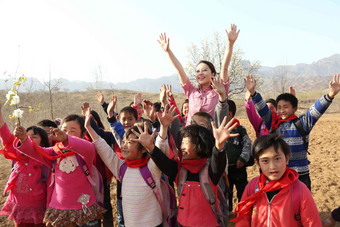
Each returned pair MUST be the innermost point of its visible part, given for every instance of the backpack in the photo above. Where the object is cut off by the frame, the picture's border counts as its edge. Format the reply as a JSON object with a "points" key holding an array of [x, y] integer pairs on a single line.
{"points": [[96, 180], [296, 196], [221, 214], [167, 200]]}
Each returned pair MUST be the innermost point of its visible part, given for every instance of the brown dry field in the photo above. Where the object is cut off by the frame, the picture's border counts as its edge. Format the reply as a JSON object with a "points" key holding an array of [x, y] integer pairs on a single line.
{"points": [[324, 149]]}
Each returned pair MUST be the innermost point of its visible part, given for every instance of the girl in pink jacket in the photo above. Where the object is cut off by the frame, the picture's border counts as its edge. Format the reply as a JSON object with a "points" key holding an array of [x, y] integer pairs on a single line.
{"points": [[71, 200], [26, 202]]}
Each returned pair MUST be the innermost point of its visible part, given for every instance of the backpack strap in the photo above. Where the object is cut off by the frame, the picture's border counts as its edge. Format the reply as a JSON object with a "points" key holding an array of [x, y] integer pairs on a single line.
{"points": [[181, 178], [296, 200], [122, 171], [84, 168], [147, 176], [299, 126]]}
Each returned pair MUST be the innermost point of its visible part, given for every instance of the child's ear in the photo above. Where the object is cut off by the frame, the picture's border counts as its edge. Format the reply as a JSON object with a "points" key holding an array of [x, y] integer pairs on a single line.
{"points": [[117, 117], [287, 159], [257, 163], [230, 115], [295, 109]]}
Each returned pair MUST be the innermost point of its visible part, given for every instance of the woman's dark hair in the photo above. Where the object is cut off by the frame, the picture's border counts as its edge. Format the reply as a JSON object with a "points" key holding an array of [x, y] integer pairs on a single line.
{"points": [[96, 117], [201, 137], [43, 135], [210, 65], [129, 132], [74, 117], [266, 141]]}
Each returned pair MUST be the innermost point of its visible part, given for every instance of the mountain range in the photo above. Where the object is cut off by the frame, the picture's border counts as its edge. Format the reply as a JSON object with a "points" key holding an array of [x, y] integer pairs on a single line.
{"points": [[304, 77]]}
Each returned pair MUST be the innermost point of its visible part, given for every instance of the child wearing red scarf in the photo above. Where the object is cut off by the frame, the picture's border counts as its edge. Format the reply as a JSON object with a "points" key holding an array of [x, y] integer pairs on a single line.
{"points": [[271, 203], [197, 146]]}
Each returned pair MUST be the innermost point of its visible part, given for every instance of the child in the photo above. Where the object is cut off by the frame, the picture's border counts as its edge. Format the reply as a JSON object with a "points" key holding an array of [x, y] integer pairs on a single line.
{"points": [[286, 123], [46, 125], [72, 200], [270, 201], [26, 202], [197, 146], [203, 98], [140, 205], [238, 153]]}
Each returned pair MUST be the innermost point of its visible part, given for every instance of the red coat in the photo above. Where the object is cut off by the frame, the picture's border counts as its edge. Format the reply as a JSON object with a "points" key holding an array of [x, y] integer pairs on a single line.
{"points": [[279, 211]]}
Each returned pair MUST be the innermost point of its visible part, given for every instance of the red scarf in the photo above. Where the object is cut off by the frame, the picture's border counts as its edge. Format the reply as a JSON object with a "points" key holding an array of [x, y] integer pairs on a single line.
{"points": [[10, 152], [245, 206], [277, 120], [193, 165], [236, 121], [137, 163]]}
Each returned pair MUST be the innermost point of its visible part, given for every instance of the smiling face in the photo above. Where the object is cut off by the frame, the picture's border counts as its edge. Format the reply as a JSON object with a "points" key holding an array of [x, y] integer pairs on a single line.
{"points": [[131, 150], [203, 74], [285, 109], [188, 149], [127, 119], [273, 164], [72, 128], [185, 109]]}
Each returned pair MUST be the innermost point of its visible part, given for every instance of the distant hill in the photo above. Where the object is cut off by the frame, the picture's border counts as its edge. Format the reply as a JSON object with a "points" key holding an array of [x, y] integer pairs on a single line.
{"points": [[302, 76]]}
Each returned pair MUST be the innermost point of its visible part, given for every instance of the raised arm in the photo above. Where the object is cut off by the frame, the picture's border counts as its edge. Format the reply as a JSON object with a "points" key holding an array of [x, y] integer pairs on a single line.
{"points": [[165, 45], [232, 36]]}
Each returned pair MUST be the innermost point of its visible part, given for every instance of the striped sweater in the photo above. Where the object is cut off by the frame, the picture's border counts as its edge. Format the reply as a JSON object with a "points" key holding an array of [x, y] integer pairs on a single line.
{"points": [[298, 155]]}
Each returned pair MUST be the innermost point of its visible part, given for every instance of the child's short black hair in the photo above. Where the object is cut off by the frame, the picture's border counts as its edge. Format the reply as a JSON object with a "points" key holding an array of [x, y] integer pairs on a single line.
{"points": [[96, 117], [208, 119], [157, 106], [130, 110], [129, 132], [43, 135], [74, 117], [232, 106], [289, 98], [272, 101], [47, 123], [201, 137], [266, 141]]}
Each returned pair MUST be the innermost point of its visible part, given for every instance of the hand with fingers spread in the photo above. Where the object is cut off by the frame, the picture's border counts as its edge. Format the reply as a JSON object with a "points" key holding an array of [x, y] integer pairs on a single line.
{"points": [[169, 92], [219, 88], [162, 95], [164, 42], [59, 135], [84, 108], [149, 110], [144, 138], [334, 86], [111, 106], [222, 133], [250, 83], [233, 33], [292, 91], [167, 117], [100, 97]]}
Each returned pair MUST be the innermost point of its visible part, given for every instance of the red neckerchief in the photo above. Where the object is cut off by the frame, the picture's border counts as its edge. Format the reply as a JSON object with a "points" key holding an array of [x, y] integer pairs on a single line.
{"points": [[277, 120], [137, 163], [193, 165], [236, 121], [245, 206], [10, 152]]}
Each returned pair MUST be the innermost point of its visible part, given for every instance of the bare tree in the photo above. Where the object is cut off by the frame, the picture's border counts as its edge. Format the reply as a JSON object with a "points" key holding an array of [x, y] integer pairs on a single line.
{"points": [[213, 51], [281, 79], [52, 87], [98, 76]]}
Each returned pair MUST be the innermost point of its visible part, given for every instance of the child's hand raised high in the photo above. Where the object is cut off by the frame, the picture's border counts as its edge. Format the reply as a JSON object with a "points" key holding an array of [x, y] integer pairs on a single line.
{"points": [[20, 133], [250, 83], [111, 106], [149, 110], [169, 92], [222, 133], [144, 138], [162, 95], [163, 42], [100, 97], [334, 86], [167, 116]]}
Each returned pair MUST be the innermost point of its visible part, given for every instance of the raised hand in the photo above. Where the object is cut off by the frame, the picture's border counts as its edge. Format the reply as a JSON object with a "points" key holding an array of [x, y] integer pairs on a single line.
{"points": [[169, 92], [167, 116], [334, 86], [100, 97], [86, 111], [164, 42], [84, 108], [233, 33], [111, 106], [219, 88], [137, 99], [162, 95], [20, 133], [292, 91], [222, 133], [59, 135], [149, 110], [250, 83], [144, 138]]}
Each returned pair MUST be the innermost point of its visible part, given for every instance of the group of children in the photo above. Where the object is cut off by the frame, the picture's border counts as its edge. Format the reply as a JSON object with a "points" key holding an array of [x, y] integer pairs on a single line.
{"points": [[203, 149]]}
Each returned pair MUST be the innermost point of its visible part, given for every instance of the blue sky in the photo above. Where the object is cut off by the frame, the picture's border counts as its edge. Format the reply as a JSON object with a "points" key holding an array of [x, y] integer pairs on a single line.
{"points": [[72, 38]]}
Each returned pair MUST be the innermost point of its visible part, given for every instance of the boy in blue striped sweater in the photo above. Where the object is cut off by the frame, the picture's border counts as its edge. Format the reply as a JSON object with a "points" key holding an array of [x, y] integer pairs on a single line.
{"points": [[286, 123]]}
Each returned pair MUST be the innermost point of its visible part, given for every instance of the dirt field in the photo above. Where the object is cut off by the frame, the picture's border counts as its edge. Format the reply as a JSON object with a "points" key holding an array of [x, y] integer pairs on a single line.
{"points": [[325, 162]]}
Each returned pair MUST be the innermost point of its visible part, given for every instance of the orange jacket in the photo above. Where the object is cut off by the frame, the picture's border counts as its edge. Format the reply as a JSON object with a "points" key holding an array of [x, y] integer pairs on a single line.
{"points": [[279, 211]]}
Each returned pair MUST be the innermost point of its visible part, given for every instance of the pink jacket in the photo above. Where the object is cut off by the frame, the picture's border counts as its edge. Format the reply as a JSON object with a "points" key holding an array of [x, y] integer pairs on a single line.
{"points": [[279, 211], [27, 198], [69, 181], [201, 100], [255, 119]]}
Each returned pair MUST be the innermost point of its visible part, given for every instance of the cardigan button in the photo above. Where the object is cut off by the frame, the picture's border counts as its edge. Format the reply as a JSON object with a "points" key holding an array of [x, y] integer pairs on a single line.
{"points": [[30, 189], [16, 171], [30, 174], [26, 164]]}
